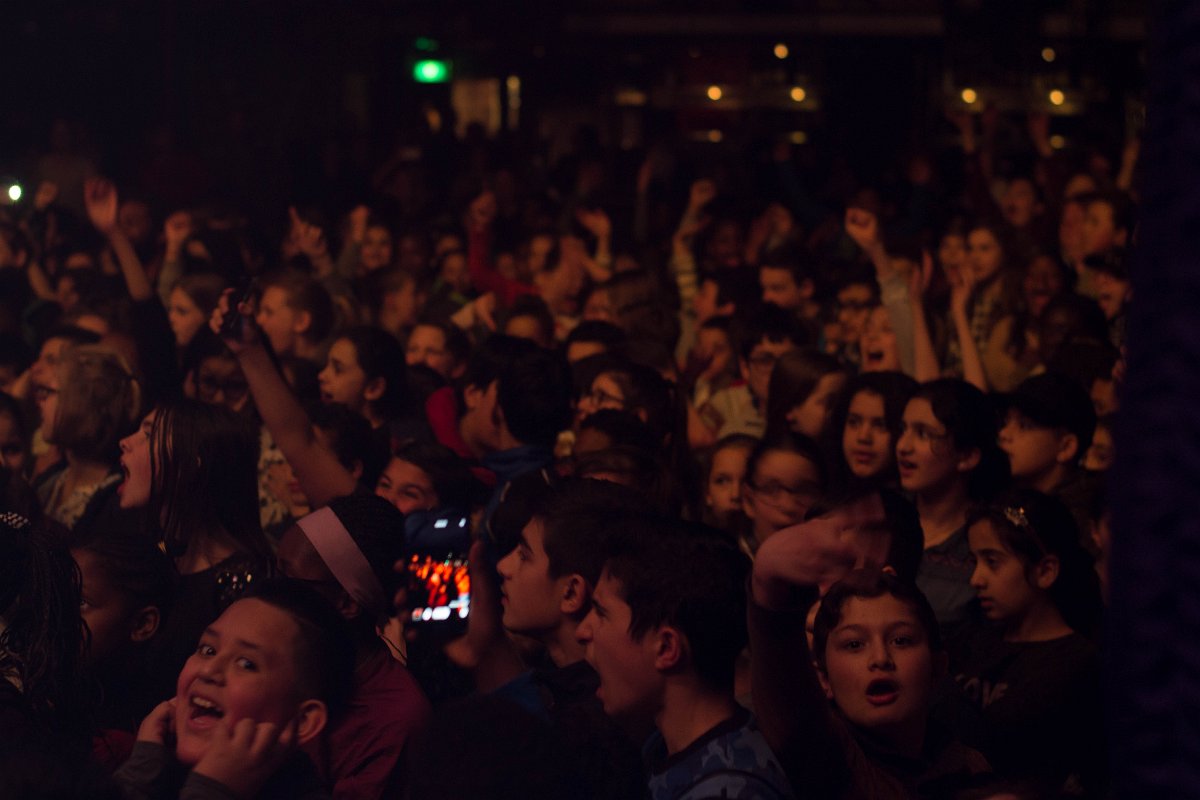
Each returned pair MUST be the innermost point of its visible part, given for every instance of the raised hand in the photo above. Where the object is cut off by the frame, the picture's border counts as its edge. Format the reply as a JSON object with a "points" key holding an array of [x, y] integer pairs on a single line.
{"points": [[962, 283], [920, 278], [45, 195], [246, 334], [100, 197], [702, 193], [358, 222], [595, 221], [176, 230], [242, 757], [809, 555], [309, 238]]}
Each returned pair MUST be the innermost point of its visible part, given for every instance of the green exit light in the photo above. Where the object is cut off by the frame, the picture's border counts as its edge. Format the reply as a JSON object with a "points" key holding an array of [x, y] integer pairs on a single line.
{"points": [[431, 71]]}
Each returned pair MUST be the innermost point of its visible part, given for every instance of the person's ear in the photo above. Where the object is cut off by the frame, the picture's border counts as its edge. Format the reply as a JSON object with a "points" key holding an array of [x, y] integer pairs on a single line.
{"points": [[311, 719], [575, 595], [375, 389], [670, 648], [472, 395], [303, 322], [347, 606], [189, 384], [356, 471], [747, 503], [1045, 572], [145, 624], [744, 369], [1120, 237], [970, 460], [824, 679], [807, 288], [1068, 448]]}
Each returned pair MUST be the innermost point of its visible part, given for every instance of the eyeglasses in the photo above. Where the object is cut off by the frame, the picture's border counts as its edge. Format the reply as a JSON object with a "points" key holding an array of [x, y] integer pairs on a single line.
{"points": [[602, 399], [208, 386], [774, 492]]}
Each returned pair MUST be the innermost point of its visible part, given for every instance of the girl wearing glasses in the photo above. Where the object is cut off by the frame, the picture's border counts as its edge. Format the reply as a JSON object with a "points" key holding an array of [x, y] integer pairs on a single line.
{"points": [[785, 477]]}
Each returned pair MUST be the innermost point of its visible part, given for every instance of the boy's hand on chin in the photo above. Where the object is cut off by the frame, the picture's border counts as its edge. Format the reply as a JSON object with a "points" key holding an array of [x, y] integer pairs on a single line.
{"points": [[159, 724], [243, 757]]}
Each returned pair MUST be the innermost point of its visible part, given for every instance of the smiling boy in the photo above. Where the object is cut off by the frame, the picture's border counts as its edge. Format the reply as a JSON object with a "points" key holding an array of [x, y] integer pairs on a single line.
{"points": [[265, 679]]}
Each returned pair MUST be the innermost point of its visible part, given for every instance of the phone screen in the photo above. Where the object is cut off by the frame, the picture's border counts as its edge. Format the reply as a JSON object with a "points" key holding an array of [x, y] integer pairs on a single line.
{"points": [[440, 588]]}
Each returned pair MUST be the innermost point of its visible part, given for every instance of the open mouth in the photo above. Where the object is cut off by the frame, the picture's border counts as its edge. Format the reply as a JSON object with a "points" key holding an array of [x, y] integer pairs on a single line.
{"points": [[882, 692], [871, 357], [203, 713]]}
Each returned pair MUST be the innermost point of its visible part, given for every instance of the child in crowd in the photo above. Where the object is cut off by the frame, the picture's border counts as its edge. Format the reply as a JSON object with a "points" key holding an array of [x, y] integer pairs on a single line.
{"points": [[865, 427], [805, 386], [724, 478], [346, 551], [266, 678], [1030, 680], [948, 459], [785, 477], [666, 626]]}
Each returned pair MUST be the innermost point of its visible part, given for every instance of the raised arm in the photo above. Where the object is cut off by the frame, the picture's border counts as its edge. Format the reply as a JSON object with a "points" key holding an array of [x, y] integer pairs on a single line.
{"points": [[789, 702], [100, 196], [321, 476], [962, 283], [926, 366], [599, 266]]}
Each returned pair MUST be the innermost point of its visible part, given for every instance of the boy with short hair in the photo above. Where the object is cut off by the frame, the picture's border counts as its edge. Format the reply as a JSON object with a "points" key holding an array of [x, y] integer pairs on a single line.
{"points": [[266, 678], [763, 336], [666, 628], [1046, 433]]}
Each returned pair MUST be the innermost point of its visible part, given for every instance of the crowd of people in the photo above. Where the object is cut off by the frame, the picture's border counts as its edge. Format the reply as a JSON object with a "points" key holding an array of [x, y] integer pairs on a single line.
{"points": [[781, 482]]}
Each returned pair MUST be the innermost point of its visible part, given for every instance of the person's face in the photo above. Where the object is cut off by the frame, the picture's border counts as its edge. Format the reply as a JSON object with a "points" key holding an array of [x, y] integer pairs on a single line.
{"points": [[48, 359], [185, 317], [1099, 230], [105, 609], [407, 487], [714, 344], [279, 322], [811, 416], [376, 250], [630, 685], [605, 393], [343, 380], [924, 453], [243, 668], [45, 393], [1100, 455], [866, 440], [1043, 280], [427, 345], [1000, 578], [878, 347], [134, 491], [539, 250], [1111, 295], [531, 599], [1020, 203], [779, 287], [879, 668], [854, 304], [1033, 450], [134, 220], [599, 306], [984, 255], [399, 309], [724, 491], [1071, 239], [952, 252], [219, 380], [455, 272], [756, 371], [12, 449], [781, 490]]}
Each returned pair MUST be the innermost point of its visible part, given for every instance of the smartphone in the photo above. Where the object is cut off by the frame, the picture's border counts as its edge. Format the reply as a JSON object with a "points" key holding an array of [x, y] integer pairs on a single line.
{"points": [[439, 582], [233, 326]]}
